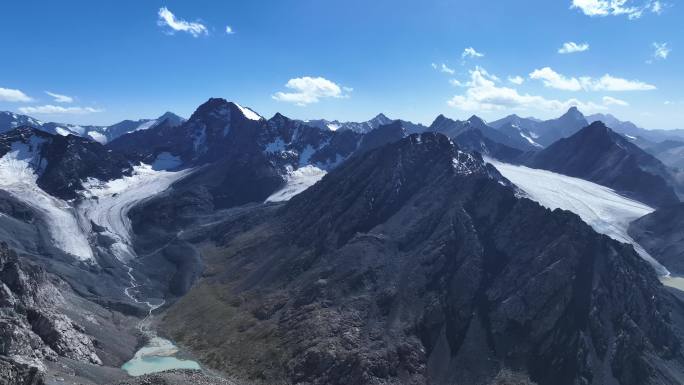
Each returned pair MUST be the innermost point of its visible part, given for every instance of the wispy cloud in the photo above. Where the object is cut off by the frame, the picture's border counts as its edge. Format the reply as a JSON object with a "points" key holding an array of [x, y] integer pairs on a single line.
{"points": [[12, 95], [229, 30], [553, 79], [470, 52], [661, 51], [49, 109], [307, 90], [611, 101], [483, 94], [630, 8], [517, 80], [168, 19], [572, 47], [60, 98], [443, 68]]}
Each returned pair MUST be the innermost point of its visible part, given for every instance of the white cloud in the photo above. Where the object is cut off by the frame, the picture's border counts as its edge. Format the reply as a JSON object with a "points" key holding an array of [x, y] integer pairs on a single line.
{"points": [[611, 101], [631, 9], [443, 68], [166, 18], [661, 51], [49, 109], [610, 83], [309, 90], [517, 80], [553, 79], [484, 95], [657, 7], [229, 30], [457, 83], [60, 98], [12, 95], [572, 47], [470, 52]]}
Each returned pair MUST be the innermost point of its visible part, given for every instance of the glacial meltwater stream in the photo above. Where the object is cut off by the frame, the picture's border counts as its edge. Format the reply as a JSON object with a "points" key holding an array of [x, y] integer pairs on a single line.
{"points": [[158, 354]]}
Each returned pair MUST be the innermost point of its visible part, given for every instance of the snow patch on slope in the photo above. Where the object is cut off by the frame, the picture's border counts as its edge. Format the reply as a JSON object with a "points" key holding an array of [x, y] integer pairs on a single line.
{"points": [[297, 181], [145, 125], [602, 208], [248, 113], [19, 178], [107, 203], [98, 137], [62, 131]]}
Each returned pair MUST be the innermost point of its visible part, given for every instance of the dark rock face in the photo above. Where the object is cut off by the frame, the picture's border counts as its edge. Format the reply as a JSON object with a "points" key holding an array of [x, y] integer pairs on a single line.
{"points": [[15, 373], [416, 263], [550, 131], [31, 329], [474, 141], [661, 233], [598, 154], [382, 135], [219, 129], [63, 162], [246, 166]]}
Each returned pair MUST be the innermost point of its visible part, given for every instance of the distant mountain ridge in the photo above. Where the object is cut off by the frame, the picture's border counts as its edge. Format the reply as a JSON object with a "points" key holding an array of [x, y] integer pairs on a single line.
{"points": [[102, 134], [598, 154]]}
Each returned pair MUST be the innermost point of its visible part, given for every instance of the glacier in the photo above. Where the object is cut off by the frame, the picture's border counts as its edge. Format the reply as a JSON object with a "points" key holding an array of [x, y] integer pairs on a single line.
{"points": [[107, 203], [297, 181], [601, 207], [19, 171]]}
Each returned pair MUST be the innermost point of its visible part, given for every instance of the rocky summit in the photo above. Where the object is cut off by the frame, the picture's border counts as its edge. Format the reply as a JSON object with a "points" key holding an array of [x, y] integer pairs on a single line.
{"points": [[417, 263]]}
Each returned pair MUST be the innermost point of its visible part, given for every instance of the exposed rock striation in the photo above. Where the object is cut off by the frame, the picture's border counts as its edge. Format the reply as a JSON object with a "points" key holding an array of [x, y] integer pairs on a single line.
{"points": [[416, 263], [31, 327]]}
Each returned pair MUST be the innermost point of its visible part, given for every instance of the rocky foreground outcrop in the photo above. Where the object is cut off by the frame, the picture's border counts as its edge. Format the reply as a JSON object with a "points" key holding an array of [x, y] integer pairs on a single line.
{"points": [[177, 377], [416, 263], [31, 328]]}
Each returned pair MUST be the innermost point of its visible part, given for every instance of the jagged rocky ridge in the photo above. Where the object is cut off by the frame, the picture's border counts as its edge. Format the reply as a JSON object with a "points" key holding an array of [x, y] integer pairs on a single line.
{"points": [[416, 263], [9, 121], [32, 329], [241, 160]]}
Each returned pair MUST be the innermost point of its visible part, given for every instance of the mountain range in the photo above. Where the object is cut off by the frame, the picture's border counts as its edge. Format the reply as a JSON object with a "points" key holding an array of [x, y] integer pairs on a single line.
{"points": [[102, 134], [323, 252], [598, 154], [416, 263]]}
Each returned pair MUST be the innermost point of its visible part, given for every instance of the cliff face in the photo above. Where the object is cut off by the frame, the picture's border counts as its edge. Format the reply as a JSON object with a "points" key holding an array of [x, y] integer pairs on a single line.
{"points": [[32, 329], [661, 234], [415, 263]]}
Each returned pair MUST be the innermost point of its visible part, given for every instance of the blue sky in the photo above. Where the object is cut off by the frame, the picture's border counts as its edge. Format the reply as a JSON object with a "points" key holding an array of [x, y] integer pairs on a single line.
{"points": [[347, 60]]}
